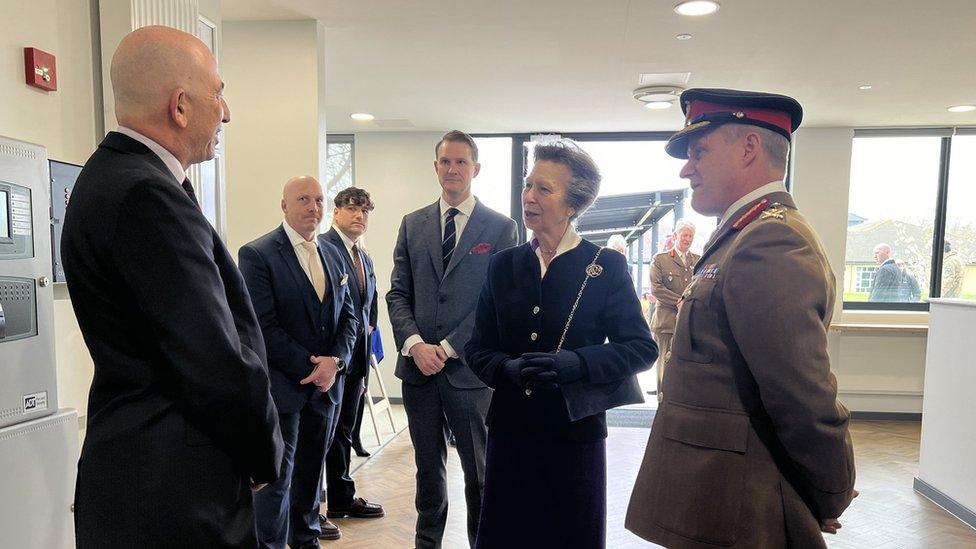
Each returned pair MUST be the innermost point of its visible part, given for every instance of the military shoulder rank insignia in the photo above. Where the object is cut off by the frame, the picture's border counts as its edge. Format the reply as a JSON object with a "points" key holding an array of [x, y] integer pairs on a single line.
{"points": [[750, 214], [776, 211]]}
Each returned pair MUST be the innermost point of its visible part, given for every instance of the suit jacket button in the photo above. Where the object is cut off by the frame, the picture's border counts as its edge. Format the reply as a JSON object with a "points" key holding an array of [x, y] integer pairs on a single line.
{"points": [[535, 310], [443, 299], [534, 336]]}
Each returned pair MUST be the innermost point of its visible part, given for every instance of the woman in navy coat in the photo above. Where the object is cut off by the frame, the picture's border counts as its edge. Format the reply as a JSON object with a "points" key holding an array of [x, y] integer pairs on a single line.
{"points": [[560, 337]]}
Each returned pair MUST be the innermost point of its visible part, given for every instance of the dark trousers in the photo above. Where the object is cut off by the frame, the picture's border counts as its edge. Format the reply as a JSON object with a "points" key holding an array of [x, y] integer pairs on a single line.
{"points": [[427, 407], [287, 510], [340, 487]]}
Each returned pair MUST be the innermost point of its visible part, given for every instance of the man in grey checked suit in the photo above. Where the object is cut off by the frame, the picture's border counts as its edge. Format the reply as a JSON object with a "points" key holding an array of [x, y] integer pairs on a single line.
{"points": [[440, 262]]}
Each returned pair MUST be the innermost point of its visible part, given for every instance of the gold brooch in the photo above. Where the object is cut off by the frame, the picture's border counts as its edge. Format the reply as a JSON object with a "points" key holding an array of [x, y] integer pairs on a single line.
{"points": [[593, 270]]}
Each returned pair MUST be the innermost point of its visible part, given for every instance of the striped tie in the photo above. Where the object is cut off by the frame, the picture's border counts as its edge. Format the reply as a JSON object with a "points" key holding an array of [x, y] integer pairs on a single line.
{"points": [[450, 236]]}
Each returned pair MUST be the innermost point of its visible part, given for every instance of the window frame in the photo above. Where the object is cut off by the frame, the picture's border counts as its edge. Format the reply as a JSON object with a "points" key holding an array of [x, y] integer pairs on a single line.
{"points": [[945, 134]]}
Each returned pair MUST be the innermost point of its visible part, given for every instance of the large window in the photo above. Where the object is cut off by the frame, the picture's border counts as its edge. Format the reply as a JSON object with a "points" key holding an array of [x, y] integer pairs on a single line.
{"points": [[339, 169], [903, 243]]}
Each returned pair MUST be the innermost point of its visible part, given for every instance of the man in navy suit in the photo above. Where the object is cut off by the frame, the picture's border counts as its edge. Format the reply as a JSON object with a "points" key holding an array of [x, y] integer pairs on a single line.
{"points": [[181, 425], [350, 218], [439, 265], [300, 290]]}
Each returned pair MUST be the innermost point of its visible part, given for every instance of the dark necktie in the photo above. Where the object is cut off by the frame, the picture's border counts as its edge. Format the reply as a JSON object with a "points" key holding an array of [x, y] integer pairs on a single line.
{"points": [[450, 236], [360, 273], [189, 191]]}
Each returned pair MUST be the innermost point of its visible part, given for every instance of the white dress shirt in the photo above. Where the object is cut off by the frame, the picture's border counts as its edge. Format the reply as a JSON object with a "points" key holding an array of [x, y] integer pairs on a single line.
{"points": [[460, 221], [301, 253], [569, 241], [167, 157], [768, 188]]}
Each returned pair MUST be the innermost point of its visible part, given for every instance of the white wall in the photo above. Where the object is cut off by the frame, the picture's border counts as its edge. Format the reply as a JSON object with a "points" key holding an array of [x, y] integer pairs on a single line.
{"points": [[398, 171], [271, 73]]}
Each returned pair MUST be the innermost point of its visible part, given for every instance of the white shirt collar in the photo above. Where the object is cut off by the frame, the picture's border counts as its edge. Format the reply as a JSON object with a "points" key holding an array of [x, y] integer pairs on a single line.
{"points": [[570, 240], [465, 207], [768, 188], [295, 238], [167, 157], [346, 240]]}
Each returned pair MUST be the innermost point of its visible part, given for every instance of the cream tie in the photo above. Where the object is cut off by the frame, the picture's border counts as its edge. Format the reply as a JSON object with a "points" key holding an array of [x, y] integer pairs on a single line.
{"points": [[315, 269]]}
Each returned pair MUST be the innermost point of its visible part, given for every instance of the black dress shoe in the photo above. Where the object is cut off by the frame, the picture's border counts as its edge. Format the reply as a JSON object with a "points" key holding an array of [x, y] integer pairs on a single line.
{"points": [[359, 508], [329, 530], [360, 451]]}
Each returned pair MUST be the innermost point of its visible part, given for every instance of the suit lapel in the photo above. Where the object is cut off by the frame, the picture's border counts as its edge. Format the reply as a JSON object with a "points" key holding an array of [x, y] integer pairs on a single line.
{"points": [[333, 238], [472, 232], [301, 279], [335, 286], [432, 226]]}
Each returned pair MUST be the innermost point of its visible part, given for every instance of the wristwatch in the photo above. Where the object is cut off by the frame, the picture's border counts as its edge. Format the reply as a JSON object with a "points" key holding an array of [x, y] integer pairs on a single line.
{"points": [[340, 364]]}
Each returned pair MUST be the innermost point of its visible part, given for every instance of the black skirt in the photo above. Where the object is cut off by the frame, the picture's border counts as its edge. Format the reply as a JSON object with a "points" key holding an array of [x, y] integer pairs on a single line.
{"points": [[544, 493]]}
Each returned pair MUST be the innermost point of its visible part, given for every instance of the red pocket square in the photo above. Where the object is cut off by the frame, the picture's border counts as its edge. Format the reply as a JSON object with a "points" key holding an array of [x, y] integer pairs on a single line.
{"points": [[480, 249]]}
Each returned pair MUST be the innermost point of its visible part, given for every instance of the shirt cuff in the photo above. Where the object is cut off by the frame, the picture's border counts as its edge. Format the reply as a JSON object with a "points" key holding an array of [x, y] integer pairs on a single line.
{"points": [[410, 342], [448, 349]]}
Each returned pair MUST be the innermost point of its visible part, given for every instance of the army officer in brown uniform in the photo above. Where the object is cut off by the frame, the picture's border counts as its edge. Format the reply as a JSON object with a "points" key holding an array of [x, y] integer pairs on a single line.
{"points": [[670, 274], [750, 447]]}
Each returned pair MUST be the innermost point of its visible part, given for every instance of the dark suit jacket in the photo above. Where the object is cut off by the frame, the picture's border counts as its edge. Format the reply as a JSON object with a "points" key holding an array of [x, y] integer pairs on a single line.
{"points": [[425, 299], [517, 304], [295, 324], [750, 447], [180, 416], [366, 309], [886, 285]]}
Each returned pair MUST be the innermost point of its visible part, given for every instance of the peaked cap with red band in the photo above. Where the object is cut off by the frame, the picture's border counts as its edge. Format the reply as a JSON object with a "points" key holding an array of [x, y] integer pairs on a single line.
{"points": [[707, 108]]}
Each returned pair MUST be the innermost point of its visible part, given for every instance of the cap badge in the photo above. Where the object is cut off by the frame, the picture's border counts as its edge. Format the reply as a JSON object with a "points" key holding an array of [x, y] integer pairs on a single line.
{"points": [[739, 114]]}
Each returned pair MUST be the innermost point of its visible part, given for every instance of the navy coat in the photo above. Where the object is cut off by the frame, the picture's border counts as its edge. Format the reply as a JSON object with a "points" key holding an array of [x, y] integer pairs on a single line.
{"points": [[521, 312], [366, 308], [295, 324]]}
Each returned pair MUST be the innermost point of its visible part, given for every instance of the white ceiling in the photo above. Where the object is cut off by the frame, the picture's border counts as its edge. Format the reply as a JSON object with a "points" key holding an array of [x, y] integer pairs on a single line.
{"points": [[571, 65]]}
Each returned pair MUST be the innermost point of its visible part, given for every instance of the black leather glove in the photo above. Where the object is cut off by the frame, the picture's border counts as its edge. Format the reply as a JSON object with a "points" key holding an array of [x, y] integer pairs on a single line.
{"points": [[510, 372], [565, 365]]}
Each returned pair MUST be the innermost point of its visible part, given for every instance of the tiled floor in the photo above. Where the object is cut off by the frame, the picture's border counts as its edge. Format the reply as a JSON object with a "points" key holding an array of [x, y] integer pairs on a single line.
{"points": [[887, 514]]}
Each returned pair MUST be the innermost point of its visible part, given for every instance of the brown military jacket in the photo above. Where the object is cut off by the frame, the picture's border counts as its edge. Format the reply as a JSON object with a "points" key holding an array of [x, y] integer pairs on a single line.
{"points": [[750, 447], [669, 278]]}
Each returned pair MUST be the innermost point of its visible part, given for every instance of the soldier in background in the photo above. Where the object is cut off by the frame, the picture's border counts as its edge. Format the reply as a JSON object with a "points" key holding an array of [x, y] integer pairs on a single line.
{"points": [[671, 272], [953, 270]]}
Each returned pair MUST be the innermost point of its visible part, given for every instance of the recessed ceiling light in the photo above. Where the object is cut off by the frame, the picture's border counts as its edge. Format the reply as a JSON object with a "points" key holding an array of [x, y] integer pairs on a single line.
{"points": [[962, 108], [864, 87], [658, 105], [683, 37], [361, 116], [696, 7]]}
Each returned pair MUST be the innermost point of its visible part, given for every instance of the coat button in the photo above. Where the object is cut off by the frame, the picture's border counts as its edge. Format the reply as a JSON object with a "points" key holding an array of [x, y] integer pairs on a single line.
{"points": [[534, 336], [443, 299], [535, 310]]}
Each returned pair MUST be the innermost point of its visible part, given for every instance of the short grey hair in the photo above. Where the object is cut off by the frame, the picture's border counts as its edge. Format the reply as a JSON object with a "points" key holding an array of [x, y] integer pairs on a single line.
{"points": [[776, 146], [584, 184], [683, 224], [616, 240]]}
